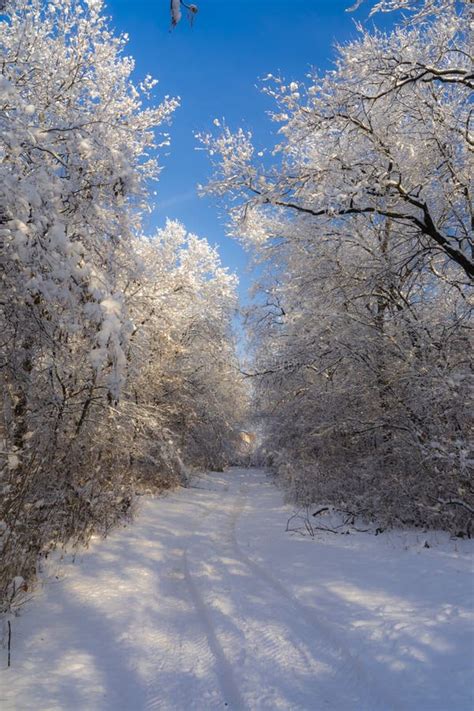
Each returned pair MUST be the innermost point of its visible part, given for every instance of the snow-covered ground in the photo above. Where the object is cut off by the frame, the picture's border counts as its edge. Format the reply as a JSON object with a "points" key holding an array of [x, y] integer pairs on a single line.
{"points": [[206, 603]]}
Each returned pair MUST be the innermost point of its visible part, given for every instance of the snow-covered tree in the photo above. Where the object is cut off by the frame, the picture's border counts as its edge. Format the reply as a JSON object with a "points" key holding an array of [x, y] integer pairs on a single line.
{"points": [[362, 214], [386, 133], [184, 374], [98, 324]]}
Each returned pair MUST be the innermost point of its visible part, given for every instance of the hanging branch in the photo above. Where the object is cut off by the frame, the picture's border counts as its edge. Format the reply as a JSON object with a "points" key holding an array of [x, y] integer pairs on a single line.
{"points": [[176, 11]]}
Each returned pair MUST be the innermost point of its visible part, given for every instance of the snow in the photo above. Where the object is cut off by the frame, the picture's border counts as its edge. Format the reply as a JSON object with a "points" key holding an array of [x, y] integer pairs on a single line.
{"points": [[175, 11], [205, 602]]}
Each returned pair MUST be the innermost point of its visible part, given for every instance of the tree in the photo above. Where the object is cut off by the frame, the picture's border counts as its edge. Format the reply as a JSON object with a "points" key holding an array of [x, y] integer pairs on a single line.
{"points": [[386, 133], [185, 375], [86, 303], [363, 215], [76, 155]]}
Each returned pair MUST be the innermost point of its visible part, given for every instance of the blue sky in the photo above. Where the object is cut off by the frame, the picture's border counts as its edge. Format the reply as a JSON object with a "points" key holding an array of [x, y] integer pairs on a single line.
{"points": [[215, 68]]}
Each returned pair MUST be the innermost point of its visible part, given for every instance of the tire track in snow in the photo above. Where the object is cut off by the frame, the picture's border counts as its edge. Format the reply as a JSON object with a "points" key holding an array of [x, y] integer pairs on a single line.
{"points": [[351, 664], [266, 654], [301, 643], [268, 650], [281, 643], [224, 671], [207, 649]]}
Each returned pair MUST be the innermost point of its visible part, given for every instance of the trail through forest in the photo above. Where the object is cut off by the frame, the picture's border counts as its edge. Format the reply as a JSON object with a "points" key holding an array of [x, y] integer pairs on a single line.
{"points": [[205, 602]]}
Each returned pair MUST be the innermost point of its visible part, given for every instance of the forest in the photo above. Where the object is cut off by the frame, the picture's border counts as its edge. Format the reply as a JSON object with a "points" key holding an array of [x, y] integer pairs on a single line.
{"points": [[122, 368]]}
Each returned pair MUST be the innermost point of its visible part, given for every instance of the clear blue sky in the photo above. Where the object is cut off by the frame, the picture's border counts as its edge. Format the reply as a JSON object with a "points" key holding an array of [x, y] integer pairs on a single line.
{"points": [[215, 68]]}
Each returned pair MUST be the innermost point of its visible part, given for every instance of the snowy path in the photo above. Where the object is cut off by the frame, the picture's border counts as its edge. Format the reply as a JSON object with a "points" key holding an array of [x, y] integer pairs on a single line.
{"points": [[206, 603]]}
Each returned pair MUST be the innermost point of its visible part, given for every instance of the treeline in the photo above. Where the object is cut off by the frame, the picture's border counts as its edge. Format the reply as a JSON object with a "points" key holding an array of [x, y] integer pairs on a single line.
{"points": [[117, 359], [361, 220]]}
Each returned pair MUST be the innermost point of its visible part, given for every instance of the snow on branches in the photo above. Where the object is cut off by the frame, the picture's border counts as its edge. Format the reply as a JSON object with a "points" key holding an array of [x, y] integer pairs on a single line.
{"points": [[113, 346], [362, 215], [387, 133], [416, 10], [175, 8]]}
